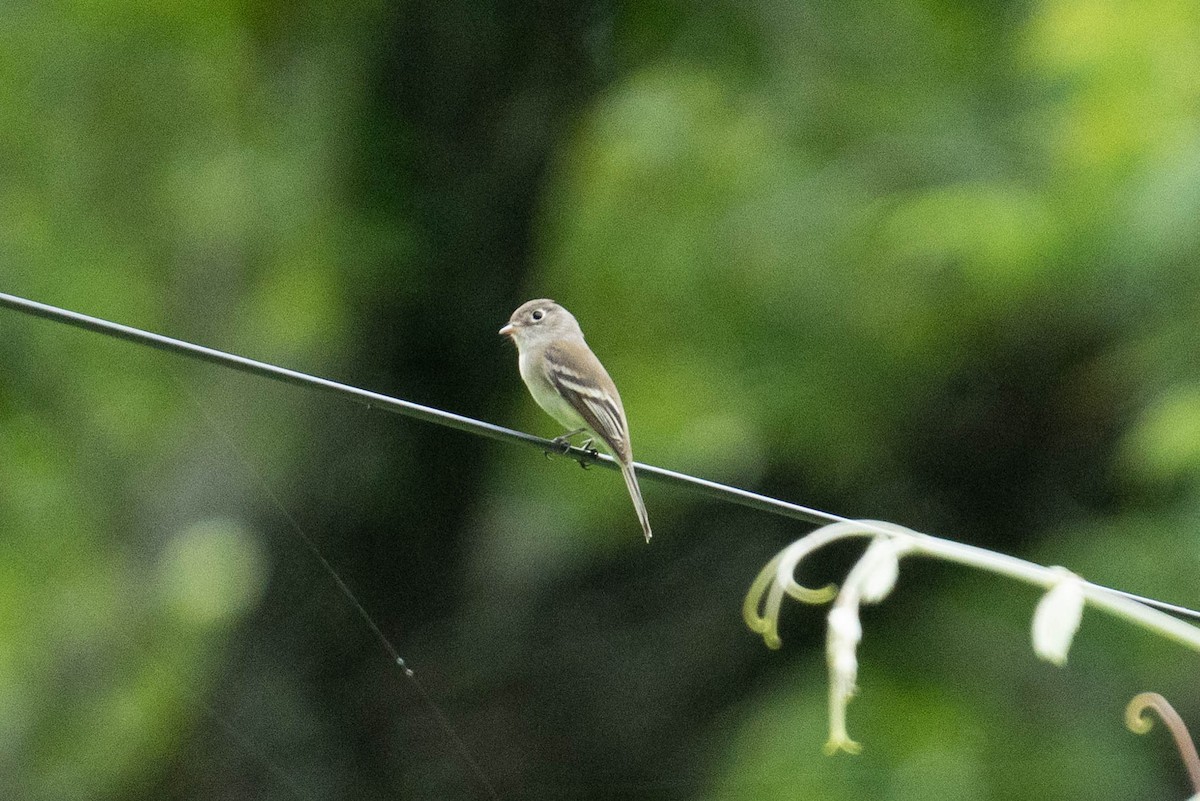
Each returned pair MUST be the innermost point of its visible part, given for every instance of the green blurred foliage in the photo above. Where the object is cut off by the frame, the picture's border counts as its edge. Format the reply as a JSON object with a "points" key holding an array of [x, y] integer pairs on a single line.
{"points": [[929, 261]]}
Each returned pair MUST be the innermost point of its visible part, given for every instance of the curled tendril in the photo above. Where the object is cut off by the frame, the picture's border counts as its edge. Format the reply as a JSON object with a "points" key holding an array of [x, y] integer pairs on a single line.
{"points": [[1139, 722], [760, 608]]}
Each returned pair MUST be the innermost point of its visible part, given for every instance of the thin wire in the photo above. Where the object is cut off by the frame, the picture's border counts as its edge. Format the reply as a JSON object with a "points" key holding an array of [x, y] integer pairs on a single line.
{"points": [[244, 743], [459, 745], [374, 400], [227, 729]]}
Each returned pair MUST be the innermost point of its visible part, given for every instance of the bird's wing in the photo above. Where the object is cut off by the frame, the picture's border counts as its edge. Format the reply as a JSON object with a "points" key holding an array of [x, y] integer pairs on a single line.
{"points": [[579, 377]]}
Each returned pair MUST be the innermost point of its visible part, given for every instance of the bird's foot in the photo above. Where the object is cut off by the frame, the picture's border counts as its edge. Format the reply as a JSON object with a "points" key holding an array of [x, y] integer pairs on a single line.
{"points": [[587, 448], [562, 443]]}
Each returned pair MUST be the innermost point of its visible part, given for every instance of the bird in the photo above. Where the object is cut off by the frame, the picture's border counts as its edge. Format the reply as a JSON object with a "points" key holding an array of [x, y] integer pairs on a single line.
{"points": [[571, 385]]}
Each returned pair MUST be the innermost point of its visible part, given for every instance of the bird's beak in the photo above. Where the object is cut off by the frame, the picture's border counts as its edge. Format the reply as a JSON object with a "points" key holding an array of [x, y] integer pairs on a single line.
{"points": [[507, 331]]}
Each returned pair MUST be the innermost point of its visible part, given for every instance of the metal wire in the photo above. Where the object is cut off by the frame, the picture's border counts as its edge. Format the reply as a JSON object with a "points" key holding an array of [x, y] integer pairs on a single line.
{"points": [[375, 400]]}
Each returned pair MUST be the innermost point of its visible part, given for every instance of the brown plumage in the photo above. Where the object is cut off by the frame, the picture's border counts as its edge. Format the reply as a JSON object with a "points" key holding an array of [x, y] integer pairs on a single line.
{"points": [[571, 385]]}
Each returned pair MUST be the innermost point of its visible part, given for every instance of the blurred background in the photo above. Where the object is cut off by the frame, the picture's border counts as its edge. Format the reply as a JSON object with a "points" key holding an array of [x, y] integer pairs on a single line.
{"points": [[928, 261]]}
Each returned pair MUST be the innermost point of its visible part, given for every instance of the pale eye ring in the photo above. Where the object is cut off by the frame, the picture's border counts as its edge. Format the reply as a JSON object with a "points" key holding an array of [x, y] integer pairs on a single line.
{"points": [[537, 315]]}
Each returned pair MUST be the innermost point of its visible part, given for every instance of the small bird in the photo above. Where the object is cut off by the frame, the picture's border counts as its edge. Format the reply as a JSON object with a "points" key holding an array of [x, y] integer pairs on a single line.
{"points": [[571, 385]]}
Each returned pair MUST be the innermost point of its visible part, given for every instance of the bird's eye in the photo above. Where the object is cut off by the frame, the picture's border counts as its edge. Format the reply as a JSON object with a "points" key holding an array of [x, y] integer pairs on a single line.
{"points": [[537, 315]]}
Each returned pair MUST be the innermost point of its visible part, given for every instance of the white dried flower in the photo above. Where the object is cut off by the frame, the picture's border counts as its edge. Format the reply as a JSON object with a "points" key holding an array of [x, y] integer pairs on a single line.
{"points": [[842, 638], [1057, 617], [881, 568]]}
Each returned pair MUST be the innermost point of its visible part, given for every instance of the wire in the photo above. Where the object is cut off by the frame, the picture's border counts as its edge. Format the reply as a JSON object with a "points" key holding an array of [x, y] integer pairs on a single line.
{"points": [[451, 733], [375, 400]]}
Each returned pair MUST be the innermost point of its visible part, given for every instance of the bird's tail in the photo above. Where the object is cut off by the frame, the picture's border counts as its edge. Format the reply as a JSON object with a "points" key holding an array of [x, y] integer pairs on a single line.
{"points": [[635, 493]]}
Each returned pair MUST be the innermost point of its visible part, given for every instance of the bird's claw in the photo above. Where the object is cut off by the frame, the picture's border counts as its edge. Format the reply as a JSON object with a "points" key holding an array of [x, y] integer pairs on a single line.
{"points": [[562, 443], [592, 453]]}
